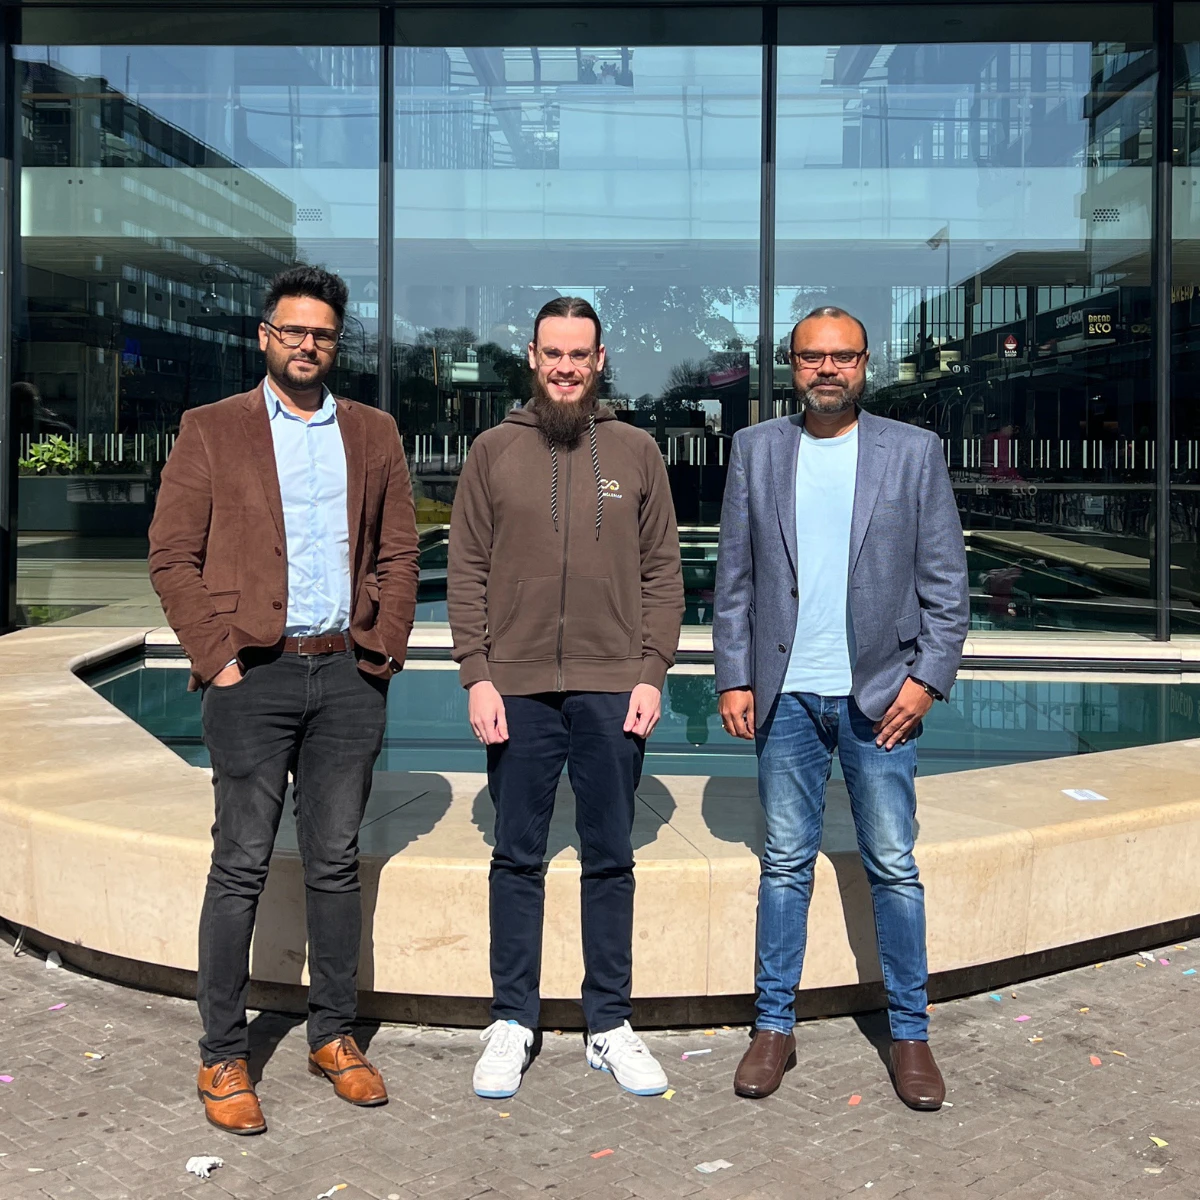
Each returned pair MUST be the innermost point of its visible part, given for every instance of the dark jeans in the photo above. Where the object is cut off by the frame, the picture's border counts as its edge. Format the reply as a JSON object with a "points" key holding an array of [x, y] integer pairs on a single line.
{"points": [[582, 730], [322, 720]]}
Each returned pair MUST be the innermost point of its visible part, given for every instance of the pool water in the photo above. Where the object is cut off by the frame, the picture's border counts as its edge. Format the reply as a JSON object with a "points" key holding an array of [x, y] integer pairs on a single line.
{"points": [[986, 723]]}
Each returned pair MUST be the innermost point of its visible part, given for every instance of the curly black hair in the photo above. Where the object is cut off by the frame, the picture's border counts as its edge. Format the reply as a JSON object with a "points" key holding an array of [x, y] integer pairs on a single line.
{"points": [[314, 282]]}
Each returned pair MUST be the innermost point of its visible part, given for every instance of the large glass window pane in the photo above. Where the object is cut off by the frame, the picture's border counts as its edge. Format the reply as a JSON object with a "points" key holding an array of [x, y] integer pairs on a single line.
{"points": [[625, 173], [161, 186], [1185, 327], [983, 204]]}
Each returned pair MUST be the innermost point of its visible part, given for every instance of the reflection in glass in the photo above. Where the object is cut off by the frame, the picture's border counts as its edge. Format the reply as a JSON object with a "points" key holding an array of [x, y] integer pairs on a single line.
{"points": [[985, 209], [628, 175], [1185, 328], [160, 188]]}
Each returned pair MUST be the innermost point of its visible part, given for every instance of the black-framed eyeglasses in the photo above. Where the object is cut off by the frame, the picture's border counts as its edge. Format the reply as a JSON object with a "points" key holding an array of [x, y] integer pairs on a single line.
{"points": [[293, 336], [815, 358]]}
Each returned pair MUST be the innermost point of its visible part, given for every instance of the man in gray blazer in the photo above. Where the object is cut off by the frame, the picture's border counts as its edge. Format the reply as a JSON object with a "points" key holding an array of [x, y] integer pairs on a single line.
{"points": [[841, 612]]}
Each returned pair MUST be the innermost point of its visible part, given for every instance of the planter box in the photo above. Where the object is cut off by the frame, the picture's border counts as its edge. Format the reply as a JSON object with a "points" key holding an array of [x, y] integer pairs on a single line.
{"points": [[97, 505]]}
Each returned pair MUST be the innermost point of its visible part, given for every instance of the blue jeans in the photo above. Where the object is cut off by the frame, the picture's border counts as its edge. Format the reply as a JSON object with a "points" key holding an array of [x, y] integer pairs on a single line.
{"points": [[795, 754]]}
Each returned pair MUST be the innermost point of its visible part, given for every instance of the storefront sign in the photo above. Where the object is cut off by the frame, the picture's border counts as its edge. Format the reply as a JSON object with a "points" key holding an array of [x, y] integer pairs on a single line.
{"points": [[1010, 346]]}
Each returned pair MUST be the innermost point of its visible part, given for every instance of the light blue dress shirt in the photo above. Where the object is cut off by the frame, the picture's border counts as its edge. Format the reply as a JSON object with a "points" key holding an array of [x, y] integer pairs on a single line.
{"points": [[310, 460], [823, 650]]}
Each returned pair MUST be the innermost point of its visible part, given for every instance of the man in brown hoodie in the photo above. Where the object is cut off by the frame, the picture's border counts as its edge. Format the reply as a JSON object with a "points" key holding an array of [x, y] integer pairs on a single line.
{"points": [[565, 597]]}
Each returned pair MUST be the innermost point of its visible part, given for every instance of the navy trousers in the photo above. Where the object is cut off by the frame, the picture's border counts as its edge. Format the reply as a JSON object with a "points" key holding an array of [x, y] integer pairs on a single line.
{"points": [[583, 731]]}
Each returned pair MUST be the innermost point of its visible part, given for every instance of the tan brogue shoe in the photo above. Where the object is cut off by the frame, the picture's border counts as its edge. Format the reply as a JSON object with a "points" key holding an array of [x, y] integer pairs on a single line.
{"points": [[761, 1070], [347, 1068], [230, 1102], [916, 1077]]}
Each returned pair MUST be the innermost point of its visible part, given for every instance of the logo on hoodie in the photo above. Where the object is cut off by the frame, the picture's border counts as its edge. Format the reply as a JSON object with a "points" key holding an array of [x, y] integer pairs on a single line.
{"points": [[610, 489]]}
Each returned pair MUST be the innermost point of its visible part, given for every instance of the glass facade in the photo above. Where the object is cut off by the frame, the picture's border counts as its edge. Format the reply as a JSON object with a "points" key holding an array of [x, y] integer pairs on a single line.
{"points": [[990, 207]]}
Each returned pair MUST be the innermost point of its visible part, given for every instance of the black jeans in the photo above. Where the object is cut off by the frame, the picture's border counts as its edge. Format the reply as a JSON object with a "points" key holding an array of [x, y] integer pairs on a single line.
{"points": [[582, 730], [322, 720]]}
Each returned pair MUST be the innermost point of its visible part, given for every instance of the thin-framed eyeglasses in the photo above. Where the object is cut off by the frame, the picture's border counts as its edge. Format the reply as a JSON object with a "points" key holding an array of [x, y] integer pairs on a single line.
{"points": [[551, 357], [292, 336], [816, 358]]}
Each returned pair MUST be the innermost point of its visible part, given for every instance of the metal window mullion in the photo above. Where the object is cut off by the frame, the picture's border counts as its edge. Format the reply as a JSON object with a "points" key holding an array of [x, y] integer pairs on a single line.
{"points": [[766, 221], [387, 207]]}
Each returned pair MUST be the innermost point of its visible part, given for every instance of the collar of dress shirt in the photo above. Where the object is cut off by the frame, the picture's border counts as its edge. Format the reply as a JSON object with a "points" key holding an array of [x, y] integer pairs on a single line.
{"points": [[276, 408]]}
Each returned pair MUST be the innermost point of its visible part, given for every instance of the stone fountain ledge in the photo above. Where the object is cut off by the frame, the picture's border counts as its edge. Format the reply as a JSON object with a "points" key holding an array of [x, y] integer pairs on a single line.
{"points": [[107, 844]]}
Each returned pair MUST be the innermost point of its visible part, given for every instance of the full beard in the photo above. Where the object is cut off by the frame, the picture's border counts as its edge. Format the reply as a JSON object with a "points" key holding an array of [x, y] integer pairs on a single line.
{"points": [[562, 422], [830, 406]]}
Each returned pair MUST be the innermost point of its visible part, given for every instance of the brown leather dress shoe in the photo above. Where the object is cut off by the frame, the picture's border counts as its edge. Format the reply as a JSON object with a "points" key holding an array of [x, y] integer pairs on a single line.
{"points": [[916, 1077], [347, 1068], [761, 1070], [230, 1102]]}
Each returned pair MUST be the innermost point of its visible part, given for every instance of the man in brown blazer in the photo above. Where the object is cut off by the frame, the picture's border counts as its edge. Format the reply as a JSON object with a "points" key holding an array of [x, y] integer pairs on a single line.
{"points": [[284, 550]]}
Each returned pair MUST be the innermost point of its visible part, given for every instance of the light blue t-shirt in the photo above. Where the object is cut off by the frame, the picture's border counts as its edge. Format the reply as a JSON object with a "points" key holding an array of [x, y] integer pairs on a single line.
{"points": [[823, 650]]}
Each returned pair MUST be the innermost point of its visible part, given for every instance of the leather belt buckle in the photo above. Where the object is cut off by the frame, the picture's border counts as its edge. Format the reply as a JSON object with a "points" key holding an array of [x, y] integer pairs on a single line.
{"points": [[310, 647]]}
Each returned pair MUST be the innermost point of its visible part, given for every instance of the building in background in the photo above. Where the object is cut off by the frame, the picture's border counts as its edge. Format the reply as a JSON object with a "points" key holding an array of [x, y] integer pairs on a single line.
{"points": [[976, 181]]}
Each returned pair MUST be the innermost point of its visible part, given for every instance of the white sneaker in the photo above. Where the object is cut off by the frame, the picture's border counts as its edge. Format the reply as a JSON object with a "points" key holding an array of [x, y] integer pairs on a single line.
{"points": [[499, 1069], [624, 1055]]}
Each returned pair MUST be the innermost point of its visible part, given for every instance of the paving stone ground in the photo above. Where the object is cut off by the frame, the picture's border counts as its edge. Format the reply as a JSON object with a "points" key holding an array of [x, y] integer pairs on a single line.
{"points": [[1027, 1118]]}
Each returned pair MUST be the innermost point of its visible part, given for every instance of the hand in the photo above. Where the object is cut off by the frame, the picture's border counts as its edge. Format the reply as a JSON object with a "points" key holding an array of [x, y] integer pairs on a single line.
{"points": [[645, 707], [736, 707], [907, 710], [485, 711], [227, 675]]}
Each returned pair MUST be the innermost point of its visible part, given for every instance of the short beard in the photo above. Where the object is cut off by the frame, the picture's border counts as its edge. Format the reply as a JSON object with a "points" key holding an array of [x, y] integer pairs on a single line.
{"points": [[562, 422], [813, 402], [280, 368]]}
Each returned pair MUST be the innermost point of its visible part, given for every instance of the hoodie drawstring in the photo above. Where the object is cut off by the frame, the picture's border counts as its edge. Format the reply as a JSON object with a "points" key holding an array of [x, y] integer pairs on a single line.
{"points": [[595, 471]]}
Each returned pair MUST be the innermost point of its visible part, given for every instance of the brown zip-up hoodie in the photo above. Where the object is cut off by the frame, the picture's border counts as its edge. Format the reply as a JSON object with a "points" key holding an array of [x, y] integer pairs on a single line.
{"points": [[564, 570]]}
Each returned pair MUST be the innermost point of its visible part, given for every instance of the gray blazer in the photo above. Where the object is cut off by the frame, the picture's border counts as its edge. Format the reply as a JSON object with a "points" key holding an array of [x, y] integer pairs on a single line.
{"points": [[908, 568]]}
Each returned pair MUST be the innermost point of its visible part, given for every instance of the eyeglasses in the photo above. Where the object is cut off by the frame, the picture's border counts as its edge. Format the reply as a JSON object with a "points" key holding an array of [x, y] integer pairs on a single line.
{"points": [[551, 357], [293, 336], [815, 358]]}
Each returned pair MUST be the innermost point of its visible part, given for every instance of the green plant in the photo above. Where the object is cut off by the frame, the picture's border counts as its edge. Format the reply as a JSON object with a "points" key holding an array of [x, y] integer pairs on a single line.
{"points": [[54, 456]]}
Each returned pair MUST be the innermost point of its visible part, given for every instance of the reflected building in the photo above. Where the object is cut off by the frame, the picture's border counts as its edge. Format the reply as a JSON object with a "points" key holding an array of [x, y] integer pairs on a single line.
{"points": [[976, 182]]}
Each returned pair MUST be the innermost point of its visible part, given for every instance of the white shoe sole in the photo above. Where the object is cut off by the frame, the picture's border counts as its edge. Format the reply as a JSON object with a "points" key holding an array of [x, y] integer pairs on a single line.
{"points": [[653, 1091]]}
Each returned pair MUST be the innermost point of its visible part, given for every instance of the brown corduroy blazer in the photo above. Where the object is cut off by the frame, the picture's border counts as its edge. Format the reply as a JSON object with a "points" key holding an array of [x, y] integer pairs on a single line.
{"points": [[218, 554]]}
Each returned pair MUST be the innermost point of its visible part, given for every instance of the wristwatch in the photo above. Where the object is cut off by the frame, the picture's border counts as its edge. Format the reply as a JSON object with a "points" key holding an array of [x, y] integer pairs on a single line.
{"points": [[928, 689]]}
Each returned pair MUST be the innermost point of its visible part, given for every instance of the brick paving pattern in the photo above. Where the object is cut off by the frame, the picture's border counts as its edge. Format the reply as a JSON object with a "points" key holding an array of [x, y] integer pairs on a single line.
{"points": [[1028, 1119]]}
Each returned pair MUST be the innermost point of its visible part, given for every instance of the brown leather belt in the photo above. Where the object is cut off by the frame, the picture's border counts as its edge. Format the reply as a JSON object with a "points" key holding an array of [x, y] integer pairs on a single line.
{"points": [[324, 643]]}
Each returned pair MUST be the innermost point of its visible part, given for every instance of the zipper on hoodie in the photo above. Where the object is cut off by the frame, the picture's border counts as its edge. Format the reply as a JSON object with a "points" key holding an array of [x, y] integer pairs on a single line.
{"points": [[562, 599]]}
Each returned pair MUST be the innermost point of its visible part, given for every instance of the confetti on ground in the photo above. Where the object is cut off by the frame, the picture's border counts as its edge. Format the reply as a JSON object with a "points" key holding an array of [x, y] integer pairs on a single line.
{"points": [[1190, 971], [337, 1187], [854, 1100], [1119, 1053], [668, 1093], [1034, 1040], [1096, 1062], [1153, 1170], [996, 996], [1180, 947], [506, 1114], [601, 1153], [57, 1007], [693, 1053], [1146, 955], [1085, 1010], [1022, 1017], [203, 1165], [1164, 962], [1139, 965], [1158, 1141], [710, 1033], [1098, 967], [717, 1164], [6, 1079], [93, 1054], [53, 961]]}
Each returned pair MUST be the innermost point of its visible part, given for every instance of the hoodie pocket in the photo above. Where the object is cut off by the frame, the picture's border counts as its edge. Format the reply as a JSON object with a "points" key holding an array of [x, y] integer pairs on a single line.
{"points": [[595, 627], [528, 631]]}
